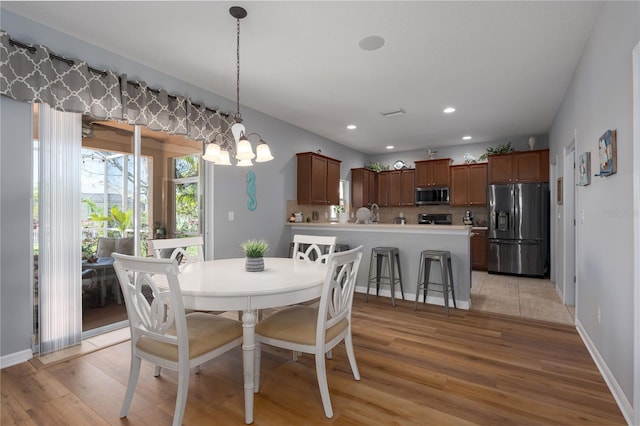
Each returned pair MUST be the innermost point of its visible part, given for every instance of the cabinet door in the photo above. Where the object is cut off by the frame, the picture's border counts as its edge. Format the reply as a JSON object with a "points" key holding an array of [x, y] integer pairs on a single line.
{"points": [[423, 174], [318, 180], [500, 168], [357, 188], [479, 251], [394, 197], [477, 184], [383, 189], [440, 172], [408, 187], [459, 185], [531, 166], [369, 187], [333, 183]]}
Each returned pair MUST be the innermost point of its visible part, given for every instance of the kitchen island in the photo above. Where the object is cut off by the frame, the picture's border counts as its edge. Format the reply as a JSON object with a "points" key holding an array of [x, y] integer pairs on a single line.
{"points": [[410, 240]]}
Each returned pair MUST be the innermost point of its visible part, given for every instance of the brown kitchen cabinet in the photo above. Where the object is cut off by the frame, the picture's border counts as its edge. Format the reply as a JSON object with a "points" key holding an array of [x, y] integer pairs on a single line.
{"points": [[400, 188], [318, 179], [469, 185], [382, 186], [516, 167], [363, 187], [432, 173], [479, 247]]}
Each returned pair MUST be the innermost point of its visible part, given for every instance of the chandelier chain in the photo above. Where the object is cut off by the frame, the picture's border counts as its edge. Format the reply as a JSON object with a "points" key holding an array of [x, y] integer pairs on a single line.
{"points": [[238, 116]]}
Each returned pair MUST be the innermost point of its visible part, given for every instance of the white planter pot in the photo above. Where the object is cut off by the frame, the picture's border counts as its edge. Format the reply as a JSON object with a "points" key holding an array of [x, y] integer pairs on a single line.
{"points": [[343, 217], [254, 264]]}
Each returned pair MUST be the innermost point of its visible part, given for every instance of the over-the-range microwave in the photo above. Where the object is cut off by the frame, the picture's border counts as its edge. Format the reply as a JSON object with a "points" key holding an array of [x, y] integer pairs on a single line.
{"points": [[430, 195]]}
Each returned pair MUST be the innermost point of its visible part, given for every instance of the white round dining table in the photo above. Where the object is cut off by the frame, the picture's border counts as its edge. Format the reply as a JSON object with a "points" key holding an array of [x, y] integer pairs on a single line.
{"points": [[224, 285]]}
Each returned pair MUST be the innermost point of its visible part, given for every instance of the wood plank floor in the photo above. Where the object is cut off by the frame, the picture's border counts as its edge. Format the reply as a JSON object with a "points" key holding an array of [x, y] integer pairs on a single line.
{"points": [[418, 368]]}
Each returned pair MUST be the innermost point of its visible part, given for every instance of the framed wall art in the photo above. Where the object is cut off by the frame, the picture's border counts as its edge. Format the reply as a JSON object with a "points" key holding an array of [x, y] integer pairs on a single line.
{"points": [[584, 169], [607, 153]]}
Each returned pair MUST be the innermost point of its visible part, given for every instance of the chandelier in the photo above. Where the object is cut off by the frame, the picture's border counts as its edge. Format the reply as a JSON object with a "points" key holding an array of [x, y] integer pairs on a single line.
{"points": [[243, 150]]}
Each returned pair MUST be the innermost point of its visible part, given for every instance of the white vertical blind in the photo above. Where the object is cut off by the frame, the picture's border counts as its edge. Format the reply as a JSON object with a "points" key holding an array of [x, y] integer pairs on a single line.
{"points": [[60, 135]]}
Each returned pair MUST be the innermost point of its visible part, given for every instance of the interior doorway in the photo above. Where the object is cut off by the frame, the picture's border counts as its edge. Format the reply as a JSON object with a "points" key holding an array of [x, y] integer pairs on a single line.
{"points": [[568, 198]]}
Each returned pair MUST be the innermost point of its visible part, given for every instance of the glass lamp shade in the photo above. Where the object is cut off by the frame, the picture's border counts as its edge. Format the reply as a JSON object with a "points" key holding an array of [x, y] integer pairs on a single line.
{"points": [[237, 129], [244, 150], [212, 153], [264, 153], [224, 159], [244, 163]]}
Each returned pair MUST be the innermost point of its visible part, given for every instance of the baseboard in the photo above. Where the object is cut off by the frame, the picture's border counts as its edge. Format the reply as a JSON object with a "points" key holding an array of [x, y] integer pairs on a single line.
{"points": [[15, 358], [460, 304], [621, 399]]}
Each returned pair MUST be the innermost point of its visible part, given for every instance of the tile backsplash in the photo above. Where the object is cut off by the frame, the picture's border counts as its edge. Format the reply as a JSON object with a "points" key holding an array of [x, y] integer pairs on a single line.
{"points": [[387, 214]]}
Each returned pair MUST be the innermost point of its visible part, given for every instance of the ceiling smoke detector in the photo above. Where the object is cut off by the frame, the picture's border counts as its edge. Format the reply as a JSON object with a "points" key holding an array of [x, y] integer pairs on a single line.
{"points": [[393, 113]]}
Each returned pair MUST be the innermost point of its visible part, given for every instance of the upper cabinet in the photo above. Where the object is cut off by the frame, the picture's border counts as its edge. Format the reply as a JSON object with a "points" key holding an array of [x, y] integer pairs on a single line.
{"points": [[522, 166], [382, 184], [433, 173], [469, 185], [318, 179], [363, 187], [400, 187]]}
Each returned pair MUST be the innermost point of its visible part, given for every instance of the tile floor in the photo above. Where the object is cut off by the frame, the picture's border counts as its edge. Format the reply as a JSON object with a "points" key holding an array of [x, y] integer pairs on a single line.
{"points": [[520, 296]]}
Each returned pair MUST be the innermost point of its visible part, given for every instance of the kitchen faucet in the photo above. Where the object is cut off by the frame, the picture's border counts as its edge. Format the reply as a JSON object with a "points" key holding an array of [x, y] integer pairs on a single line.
{"points": [[375, 214]]}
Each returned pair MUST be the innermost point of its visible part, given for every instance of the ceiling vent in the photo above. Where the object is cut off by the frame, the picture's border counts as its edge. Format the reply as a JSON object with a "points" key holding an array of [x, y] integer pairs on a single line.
{"points": [[393, 113]]}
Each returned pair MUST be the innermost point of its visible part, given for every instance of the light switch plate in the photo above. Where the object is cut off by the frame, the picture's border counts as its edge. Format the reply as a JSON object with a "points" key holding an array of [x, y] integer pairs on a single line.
{"points": [[231, 216]]}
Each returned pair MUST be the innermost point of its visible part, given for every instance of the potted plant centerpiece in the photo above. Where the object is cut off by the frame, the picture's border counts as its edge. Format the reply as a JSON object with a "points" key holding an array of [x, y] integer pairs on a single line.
{"points": [[254, 251]]}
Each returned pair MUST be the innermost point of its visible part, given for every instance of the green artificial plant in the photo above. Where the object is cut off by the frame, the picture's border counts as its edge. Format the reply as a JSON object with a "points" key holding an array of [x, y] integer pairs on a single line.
{"points": [[500, 149], [255, 248]]}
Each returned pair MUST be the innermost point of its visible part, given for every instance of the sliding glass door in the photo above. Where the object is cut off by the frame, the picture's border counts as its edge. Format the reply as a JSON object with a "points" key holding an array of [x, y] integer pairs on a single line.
{"points": [[118, 208]]}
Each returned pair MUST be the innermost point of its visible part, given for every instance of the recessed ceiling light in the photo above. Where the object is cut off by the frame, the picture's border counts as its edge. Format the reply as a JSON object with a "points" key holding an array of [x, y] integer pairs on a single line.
{"points": [[449, 110], [371, 43], [390, 146], [466, 138], [352, 127]]}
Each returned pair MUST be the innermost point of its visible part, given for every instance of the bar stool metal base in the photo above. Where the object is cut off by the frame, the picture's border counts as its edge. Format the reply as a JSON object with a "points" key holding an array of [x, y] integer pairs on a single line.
{"points": [[392, 256], [446, 273]]}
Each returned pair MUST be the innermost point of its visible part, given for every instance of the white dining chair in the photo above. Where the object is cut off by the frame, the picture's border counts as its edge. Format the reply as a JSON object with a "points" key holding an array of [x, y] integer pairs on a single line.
{"points": [[177, 248], [161, 331], [310, 247], [316, 330]]}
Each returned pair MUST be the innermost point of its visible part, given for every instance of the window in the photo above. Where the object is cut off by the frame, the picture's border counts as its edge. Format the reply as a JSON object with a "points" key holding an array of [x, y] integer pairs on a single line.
{"points": [[344, 202], [186, 184], [107, 183]]}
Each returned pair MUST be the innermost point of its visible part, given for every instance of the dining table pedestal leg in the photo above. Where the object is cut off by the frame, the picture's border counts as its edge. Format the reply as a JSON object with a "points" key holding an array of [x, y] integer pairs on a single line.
{"points": [[248, 351]]}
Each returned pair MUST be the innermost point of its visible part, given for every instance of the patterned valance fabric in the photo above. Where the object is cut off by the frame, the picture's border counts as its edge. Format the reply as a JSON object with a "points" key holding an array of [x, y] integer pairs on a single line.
{"points": [[31, 73]]}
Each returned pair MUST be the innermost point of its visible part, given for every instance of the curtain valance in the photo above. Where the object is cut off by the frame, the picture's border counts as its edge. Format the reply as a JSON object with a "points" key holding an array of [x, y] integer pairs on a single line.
{"points": [[31, 73]]}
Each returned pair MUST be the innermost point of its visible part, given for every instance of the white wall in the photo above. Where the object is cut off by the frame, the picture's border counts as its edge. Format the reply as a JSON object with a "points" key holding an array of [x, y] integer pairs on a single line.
{"points": [[600, 98], [16, 319]]}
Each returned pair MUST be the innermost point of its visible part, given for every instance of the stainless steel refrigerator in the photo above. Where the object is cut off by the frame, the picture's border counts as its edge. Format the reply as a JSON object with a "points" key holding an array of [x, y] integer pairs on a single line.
{"points": [[519, 229]]}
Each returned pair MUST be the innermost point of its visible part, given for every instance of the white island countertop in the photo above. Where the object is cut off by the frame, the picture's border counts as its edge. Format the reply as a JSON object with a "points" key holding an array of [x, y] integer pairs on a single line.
{"points": [[410, 240]]}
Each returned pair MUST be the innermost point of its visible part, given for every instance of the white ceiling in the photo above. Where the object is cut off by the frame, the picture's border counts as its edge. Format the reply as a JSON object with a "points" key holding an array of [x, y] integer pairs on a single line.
{"points": [[504, 66]]}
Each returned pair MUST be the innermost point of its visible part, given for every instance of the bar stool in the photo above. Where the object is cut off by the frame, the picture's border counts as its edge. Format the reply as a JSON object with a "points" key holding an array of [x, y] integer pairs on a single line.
{"points": [[446, 274], [392, 256]]}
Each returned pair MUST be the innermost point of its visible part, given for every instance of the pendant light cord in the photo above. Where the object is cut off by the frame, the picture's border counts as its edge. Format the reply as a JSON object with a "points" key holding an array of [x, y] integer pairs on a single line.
{"points": [[238, 117]]}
